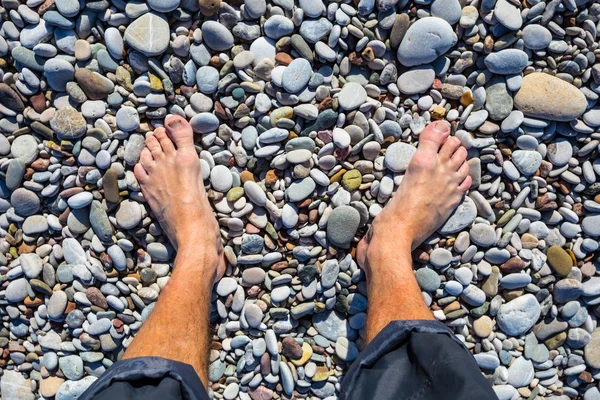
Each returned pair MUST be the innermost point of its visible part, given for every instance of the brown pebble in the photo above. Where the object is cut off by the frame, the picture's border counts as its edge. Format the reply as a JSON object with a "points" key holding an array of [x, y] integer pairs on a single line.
{"points": [[111, 186], [514, 264]]}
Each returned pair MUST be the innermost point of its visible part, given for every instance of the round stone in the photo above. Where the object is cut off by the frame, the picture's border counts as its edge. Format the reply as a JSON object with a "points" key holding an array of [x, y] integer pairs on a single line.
{"points": [[216, 36], [352, 96], [426, 40], [548, 97], [536, 37], [398, 156], [24, 147], [482, 235], [519, 315], [559, 260], [428, 279], [128, 119], [221, 179], [163, 6], [461, 217], [342, 225], [25, 202], [148, 34], [68, 123], [296, 75]]}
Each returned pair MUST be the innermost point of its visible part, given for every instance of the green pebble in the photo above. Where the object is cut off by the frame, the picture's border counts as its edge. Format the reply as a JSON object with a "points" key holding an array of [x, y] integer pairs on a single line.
{"points": [[506, 217], [352, 179], [235, 194], [238, 93]]}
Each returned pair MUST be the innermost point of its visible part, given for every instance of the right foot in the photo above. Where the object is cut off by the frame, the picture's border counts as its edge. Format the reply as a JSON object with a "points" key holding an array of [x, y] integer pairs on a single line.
{"points": [[171, 181], [434, 184]]}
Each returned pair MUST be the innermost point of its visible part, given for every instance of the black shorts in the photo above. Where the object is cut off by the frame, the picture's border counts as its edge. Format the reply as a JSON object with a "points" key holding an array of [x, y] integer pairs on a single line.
{"points": [[407, 360]]}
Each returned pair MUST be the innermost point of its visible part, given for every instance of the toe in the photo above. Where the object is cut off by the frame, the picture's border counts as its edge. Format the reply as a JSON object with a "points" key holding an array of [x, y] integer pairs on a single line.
{"points": [[458, 158], [463, 171], [449, 147], [465, 184], [140, 173], [146, 159], [165, 142], [154, 146], [434, 135], [180, 131]]}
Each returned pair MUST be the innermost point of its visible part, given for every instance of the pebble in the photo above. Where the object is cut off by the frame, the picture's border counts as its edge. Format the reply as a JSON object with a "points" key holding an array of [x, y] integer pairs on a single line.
{"points": [[398, 156], [304, 125], [426, 40], [519, 315], [148, 34], [352, 96], [507, 62], [296, 75], [538, 94], [342, 226]]}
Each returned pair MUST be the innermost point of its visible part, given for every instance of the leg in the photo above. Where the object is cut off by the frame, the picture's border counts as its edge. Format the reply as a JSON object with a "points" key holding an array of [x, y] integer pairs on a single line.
{"points": [[170, 178], [434, 184]]}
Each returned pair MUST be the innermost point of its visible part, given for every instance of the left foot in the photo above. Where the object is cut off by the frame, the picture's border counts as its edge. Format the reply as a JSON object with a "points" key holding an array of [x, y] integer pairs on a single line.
{"points": [[171, 181]]}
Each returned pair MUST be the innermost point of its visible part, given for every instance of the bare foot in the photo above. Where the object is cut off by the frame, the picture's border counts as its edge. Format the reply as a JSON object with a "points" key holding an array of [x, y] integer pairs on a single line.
{"points": [[433, 186], [171, 181]]}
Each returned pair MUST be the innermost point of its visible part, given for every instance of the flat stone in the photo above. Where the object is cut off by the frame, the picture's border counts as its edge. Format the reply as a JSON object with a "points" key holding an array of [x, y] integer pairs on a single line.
{"points": [[13, 385], [507, 62], [342, 225], [428, 279], [461, 217], [68, 123], [148, 34], [398, 155], [508, 15], [592, 350], [425, 41], [330, 324], [499, 102], [71, 367], [352, 96], [520, 372], [527, 162], [58, 73], [296, 75], [216, 36], [300, 190], [559, 260], [416, 80], [536, 37], [129, 214], [95, 86], [519, 315], [449, 10], [547, 97]]}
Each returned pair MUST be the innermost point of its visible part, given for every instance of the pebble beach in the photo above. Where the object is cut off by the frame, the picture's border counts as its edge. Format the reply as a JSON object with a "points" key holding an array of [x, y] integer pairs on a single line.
{"points": [[306, 115]]}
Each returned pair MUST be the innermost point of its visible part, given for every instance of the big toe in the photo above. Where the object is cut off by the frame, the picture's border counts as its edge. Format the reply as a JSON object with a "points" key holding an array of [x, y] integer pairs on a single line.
{"points": [[434, 135], [180, 131]]}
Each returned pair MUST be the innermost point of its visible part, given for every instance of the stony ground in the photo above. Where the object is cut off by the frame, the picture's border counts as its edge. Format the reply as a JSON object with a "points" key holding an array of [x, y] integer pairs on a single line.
{"points": [[305, 113]]}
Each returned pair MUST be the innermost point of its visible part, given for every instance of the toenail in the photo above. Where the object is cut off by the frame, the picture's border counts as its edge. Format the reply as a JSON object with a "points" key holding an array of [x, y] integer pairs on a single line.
{"points": [[174, 123], [441, 127]]}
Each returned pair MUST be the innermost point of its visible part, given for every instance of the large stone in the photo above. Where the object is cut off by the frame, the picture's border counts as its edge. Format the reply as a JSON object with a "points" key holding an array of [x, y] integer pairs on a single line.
{"points": [[68, 123], [461, 217], [426, 40], [518, 316], [559, 260], [330, 325], [148, 34], [342, 225], [547, 97], [14, 386]]}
